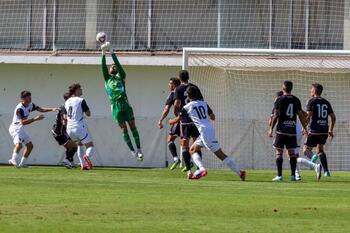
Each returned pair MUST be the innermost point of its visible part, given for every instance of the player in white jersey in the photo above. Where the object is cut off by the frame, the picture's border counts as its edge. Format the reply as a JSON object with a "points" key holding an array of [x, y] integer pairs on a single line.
{"points": [[16, 129], [197, 110], [76, 107]]}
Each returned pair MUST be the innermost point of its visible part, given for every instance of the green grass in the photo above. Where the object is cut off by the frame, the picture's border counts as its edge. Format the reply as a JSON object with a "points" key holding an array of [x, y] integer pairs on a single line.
{"points": [[54, 199]]}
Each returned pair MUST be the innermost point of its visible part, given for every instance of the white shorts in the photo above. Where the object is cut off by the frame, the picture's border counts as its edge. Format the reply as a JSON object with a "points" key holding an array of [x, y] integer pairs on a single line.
{"points": [[209, 141], [79, 134], [19, 135]]}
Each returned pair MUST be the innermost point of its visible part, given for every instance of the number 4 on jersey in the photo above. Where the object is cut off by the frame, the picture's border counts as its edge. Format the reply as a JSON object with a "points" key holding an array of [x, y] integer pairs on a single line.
{"points": [[290, 111]]}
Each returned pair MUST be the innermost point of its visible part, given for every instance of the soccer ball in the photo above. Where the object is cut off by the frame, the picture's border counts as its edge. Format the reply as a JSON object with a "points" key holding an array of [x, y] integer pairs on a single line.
{"points": [[101, 37]]}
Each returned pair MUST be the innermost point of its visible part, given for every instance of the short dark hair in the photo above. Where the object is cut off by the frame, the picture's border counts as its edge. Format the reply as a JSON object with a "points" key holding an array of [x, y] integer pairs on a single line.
{"points": [[66, 96], [176, 81], [25, 93], [318, 88], [192, 92], [184, 75], [279, 93], [73, 88], [288, 86]]}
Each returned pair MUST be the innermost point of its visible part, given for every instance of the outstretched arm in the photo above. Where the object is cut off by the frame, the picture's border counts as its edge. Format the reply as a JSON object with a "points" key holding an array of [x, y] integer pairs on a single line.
{"points": [[104, 67], [118, 65]]}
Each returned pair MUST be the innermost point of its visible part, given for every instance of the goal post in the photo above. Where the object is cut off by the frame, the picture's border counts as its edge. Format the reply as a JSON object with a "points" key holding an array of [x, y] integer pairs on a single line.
{"points": [[240, 86]]}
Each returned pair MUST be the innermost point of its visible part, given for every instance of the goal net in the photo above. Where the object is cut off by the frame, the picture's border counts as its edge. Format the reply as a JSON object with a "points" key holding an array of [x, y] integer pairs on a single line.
{"points": [[240, 86]]}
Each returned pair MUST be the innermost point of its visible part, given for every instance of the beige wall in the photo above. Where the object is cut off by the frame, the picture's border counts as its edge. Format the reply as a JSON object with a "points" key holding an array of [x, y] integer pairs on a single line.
{"points": [[146, 88]]}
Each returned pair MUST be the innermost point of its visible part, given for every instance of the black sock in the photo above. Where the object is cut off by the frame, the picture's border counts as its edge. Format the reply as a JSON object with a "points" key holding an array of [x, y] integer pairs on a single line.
{"points": [[279, 163], [323, 160], [70, 154], [293, 164], [172, 148], [187, 159]]}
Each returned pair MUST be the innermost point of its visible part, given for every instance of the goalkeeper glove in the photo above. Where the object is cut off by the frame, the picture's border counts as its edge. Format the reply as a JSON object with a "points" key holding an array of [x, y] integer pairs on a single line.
{"points": [[105, 47]]}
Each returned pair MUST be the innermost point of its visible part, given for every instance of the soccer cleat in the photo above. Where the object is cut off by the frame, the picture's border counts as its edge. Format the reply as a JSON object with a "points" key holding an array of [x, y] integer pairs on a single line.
{"points": [[139, 155], [175, 164], [189, 175], [318, 170], [314, 158], [327, 173], [297, 178], [199, 174], [85, 168], [292, 178], [87, 161], [13, 162], [278, 179], [242, 175], [67, 164], [185, 169]]}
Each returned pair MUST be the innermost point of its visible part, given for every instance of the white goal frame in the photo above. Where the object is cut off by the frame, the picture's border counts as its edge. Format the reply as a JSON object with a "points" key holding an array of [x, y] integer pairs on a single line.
{"points": [[270, 52]]}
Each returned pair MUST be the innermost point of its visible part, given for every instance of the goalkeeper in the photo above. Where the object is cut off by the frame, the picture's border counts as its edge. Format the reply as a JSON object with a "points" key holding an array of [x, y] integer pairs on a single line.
{"points": [[120, 107]]}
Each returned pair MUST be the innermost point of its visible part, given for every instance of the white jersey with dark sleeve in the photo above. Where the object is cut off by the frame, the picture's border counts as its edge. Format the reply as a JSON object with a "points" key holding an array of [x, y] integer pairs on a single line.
{"points": [[22, 113], [198, 112], [75, 109]]}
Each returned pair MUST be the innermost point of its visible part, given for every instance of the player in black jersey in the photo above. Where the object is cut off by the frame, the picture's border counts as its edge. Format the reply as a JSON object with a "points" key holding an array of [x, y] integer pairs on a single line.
{"points": [[175, 129], [60, 134], [287, 108], [187, 128], [318, 110]]}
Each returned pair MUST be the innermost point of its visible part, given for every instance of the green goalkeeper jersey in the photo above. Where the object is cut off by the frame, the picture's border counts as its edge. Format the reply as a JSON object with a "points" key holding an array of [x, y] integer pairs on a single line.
{"points": [[115, 84]]}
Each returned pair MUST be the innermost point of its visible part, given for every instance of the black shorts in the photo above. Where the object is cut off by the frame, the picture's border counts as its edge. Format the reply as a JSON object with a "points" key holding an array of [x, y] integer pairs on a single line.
{"points": [[189, 131], [285, 141], [175, 130], [61, 139], [315, 139]]}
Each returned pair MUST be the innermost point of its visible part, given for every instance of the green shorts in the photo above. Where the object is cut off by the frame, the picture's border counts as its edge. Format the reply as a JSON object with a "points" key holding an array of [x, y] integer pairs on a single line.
{"points": [[122, 111]]}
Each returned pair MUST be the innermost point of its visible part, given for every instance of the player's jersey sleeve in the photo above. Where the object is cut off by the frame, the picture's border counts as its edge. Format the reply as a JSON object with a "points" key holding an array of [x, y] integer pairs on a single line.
{"points": [[297, 105], [170, 100], [84, 106], [309, 105], [330, 108], [35, 107], [20, 113], [177, 93], [276, 105], [105, 72], [119, 66]]}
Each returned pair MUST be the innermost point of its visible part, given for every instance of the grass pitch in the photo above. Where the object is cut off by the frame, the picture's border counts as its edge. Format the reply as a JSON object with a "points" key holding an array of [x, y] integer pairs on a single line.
{"points": [[54, 199]]}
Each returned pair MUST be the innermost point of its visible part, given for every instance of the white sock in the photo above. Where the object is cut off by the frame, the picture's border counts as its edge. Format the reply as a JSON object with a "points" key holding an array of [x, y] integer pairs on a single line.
{"points": [[23, 161], [80, 153], [232, 165], [176, 159], [297, 170], [14, 156], [306, 162], [90, 151], [197, 160]]}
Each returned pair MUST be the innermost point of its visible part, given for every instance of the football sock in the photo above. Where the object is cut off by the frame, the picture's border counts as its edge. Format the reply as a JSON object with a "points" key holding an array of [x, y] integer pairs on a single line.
{"points": [[70, 154], [127, 140], [187, 158], [293, 164], [172, 149], [23, 160], [197, 160], [306, 162], [232, 165], [14, 156], [279, 163], [89, 151], [323, 160], [136, 136], [80, 153]]}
